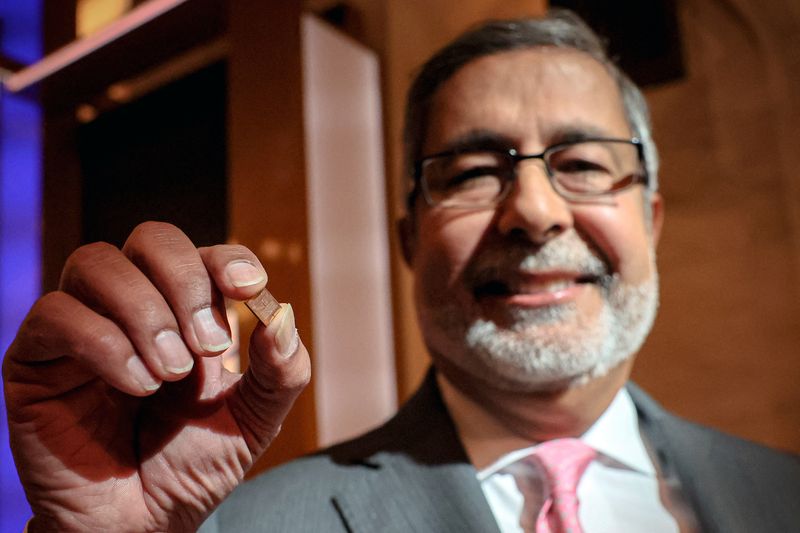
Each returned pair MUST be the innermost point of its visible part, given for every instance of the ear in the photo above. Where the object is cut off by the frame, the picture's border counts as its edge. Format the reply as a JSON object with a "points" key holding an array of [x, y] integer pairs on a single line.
{"points": [[407, 234], [657, 209]]}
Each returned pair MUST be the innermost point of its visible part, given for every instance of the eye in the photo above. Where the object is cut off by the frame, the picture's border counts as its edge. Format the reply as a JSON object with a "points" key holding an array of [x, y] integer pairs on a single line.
{"points": [[584, 177], [590, 157], [578, 166], [467, 169], [467, 179], [472, 176]]}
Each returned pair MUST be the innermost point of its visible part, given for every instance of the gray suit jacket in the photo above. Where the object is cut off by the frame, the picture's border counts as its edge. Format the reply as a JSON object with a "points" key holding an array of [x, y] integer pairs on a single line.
{"points": [[412, 474]]}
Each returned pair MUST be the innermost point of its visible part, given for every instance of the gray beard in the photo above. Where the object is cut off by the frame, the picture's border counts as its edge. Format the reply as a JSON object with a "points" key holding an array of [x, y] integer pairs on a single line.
{"points": [[550, 347]]}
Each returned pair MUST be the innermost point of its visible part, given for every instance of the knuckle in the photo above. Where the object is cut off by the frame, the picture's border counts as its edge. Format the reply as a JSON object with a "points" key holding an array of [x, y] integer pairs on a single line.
{"points": [[152, 228], [90, 264], [59, 323], [305, 373], [301, 381], [37, 320], [85, 257], [46, 303], [283, 381], [101, 341], [91, 250], [152, 232], [192, 279], [298, 375], [152, 313]]}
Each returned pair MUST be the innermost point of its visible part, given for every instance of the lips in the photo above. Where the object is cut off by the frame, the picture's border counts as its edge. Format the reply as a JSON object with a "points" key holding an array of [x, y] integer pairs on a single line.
{"points": [[513, 272], [534, 289]]}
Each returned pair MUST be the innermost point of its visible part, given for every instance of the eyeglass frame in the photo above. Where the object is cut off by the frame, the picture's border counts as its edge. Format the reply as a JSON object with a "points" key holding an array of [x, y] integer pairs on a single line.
{"points": [[642, 178]]}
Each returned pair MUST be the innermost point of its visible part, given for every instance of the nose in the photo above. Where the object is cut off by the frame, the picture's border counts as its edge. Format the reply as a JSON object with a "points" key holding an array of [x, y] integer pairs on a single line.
{"points": [[534, 207]]}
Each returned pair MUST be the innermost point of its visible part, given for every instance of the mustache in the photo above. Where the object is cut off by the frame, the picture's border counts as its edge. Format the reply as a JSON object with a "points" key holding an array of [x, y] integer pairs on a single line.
{"points": [[568, 253]]}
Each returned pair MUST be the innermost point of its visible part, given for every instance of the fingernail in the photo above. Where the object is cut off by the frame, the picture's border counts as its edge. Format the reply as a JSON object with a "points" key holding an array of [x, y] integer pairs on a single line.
{"points": [[140, 373], [212, 337], [286, 338], [175, 358], [243, 274]]}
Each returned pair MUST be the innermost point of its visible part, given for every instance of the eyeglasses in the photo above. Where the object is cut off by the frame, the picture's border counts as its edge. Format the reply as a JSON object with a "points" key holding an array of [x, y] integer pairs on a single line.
{"points": [[578, 171]]}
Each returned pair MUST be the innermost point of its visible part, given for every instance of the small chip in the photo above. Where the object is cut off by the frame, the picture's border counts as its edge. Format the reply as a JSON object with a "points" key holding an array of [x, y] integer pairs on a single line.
{"points": [[264, 306]]}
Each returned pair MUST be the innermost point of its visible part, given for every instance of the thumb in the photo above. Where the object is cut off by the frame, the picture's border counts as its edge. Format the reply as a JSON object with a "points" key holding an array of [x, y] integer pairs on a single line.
{"points": [[279, 370]]}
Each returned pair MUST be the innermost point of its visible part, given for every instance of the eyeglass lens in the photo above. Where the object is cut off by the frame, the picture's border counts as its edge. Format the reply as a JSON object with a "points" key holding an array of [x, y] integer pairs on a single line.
{"points": [[479, 178]]}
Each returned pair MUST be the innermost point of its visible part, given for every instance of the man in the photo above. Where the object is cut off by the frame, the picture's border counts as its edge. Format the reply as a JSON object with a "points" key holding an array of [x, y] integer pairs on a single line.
{"points": [[531, 231]]}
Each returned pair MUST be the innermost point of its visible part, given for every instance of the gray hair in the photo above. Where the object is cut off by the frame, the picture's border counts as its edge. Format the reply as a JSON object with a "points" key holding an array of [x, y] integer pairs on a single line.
{"points": [[560, 28]]}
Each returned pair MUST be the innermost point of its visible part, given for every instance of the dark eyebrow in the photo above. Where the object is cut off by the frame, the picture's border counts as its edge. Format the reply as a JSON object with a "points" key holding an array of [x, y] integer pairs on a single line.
{"points": [[491, 140], [479, 140]]}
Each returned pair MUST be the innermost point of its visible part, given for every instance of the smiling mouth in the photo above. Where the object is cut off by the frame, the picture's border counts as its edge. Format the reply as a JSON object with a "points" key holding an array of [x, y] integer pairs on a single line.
{"points": [[535, 290]]}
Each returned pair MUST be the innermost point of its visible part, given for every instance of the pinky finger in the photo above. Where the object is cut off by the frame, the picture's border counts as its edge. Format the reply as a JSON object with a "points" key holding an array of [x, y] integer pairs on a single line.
{"points": [[63, 344]]}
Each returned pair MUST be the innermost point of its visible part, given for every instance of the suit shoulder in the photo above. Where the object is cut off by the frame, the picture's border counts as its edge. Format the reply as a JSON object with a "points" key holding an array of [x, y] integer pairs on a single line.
{"points": [[695, 444], [324, 471], [295, 496], [748, 452]]}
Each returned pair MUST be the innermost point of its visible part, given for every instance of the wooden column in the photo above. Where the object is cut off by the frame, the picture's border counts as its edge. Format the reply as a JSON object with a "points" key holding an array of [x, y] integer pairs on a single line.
{"points": [[267, 192]]}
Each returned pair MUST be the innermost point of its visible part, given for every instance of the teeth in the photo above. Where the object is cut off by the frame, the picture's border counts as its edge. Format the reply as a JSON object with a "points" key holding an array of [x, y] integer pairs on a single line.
{"points": [[529, 284], [543, 287]]}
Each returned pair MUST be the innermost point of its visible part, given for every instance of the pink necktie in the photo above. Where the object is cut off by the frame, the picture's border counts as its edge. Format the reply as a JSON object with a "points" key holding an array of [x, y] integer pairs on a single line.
{"points": [[563, 462]]}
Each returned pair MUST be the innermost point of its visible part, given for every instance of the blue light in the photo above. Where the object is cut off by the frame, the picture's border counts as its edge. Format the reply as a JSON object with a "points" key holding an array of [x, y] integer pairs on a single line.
{"points": [[20, 216]]}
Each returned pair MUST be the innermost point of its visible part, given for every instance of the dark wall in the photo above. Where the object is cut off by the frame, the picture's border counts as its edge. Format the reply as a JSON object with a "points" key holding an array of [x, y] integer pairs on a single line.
{"points": [[162, 157], [644, 37]]}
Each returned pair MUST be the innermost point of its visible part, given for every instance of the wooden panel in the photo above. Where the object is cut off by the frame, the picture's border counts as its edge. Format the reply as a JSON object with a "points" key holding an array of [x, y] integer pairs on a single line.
{"points": [[267, 175], [725, 347]]}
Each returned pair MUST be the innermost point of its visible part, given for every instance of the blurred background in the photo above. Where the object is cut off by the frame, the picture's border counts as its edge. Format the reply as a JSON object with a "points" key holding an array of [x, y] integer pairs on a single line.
{"points": [[277, 125]]}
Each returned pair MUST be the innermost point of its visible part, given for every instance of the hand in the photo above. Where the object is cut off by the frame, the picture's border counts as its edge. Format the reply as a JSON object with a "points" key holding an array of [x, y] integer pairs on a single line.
{"points": [[120, 414]]}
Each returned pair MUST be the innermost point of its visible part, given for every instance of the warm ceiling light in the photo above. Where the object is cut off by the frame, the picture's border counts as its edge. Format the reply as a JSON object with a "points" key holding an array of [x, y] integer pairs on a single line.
{"points": [[91, 15]]}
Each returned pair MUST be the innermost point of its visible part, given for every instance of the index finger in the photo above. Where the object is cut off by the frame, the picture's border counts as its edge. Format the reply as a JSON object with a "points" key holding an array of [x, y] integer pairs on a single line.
{"points": [[236, 270], [174, 266]]}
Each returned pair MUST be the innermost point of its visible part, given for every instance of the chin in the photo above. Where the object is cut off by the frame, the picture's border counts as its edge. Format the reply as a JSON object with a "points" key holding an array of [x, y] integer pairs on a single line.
{"points": [[548, 349]]}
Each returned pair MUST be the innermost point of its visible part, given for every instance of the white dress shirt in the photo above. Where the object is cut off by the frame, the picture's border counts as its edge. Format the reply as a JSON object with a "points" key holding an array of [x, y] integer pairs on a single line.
{"points": [[620, 491]]}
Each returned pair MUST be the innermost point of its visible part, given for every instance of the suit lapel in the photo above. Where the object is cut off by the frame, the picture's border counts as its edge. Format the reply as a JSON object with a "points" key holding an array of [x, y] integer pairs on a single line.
{"points": [[404, 497], [421, 481], [710, 473], [651, 424]]}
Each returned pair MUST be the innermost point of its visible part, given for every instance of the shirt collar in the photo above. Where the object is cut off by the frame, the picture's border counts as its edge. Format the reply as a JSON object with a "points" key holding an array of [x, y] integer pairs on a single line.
{"points": [[616, 435], [492, 447]]}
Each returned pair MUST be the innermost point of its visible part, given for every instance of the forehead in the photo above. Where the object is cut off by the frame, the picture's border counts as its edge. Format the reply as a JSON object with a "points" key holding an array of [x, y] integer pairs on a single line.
{"points": [[533, 97]]}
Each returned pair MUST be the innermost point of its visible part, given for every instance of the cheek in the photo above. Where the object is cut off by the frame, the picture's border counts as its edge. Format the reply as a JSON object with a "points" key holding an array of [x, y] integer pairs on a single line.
{"points": [[446, 242], [619, 233]]}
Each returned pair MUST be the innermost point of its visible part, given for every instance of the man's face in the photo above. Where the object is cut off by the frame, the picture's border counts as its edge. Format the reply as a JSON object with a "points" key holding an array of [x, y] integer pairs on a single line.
{"points": [[538, 292]]}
